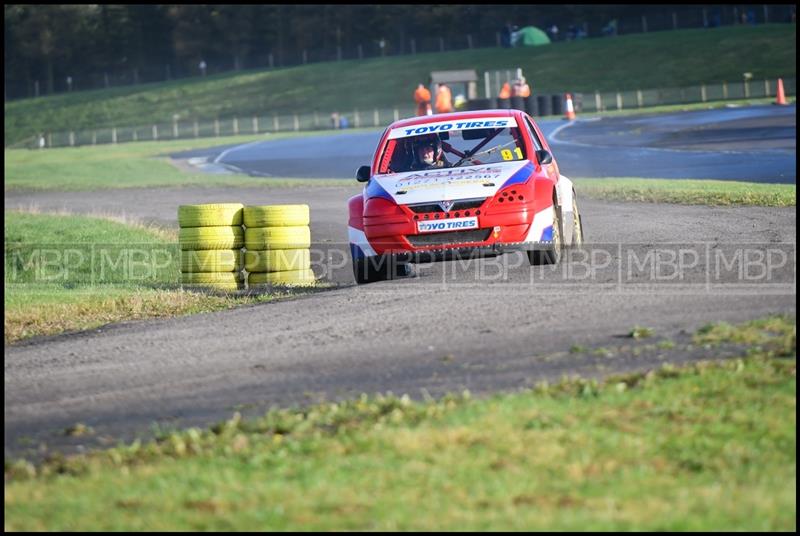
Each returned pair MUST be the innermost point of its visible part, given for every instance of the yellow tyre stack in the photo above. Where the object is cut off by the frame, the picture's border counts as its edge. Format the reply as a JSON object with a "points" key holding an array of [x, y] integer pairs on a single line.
{"points": [[277, 241], [211, 239]]}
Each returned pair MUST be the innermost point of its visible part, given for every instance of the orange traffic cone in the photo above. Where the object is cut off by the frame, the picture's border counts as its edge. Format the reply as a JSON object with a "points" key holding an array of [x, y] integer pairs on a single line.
{"points": [[570, 113], [780, 98]]}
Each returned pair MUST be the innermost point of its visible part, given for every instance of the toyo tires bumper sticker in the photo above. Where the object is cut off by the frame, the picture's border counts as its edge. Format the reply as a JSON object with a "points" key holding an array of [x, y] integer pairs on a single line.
{"points": [[455, 224]]}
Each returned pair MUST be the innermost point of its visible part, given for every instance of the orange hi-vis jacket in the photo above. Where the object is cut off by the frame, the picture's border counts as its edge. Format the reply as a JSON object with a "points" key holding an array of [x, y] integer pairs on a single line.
{"points": [[423, 99], [444, 100], [505, 91]]}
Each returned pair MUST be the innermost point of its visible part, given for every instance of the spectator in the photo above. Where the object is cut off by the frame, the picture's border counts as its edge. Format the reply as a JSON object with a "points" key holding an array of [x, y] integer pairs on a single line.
{"points": [[343, 122], [505, 91], [505, 35], [553, 32], [520, 88], [335, 120], [202, 65], [610, 28], [423, 99], [444, 99]]}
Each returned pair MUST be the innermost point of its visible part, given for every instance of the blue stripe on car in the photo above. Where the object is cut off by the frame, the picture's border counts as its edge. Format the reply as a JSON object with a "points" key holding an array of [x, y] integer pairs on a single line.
{"points": [[547, 234], [356, 252], [520, 176], [374, 189]]}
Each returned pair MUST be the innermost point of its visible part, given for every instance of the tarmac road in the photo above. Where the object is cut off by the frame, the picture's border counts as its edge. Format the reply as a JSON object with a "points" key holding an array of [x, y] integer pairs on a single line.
{"points": [[483, 325], [754, 144]]}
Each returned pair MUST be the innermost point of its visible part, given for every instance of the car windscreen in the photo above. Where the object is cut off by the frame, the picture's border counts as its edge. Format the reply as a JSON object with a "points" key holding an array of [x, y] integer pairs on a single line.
{"points": [[463, 143]]}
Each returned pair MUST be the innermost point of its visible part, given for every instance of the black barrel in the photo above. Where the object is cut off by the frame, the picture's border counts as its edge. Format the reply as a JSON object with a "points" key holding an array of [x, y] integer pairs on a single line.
{"points": [[504, 104], [531, 106], [577, 101], [545, 105], [479, 104], [518, 103], [558, 104]]}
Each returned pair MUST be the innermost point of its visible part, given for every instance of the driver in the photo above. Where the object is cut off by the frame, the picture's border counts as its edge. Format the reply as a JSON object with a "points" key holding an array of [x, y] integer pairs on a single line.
{"points": [[428, 153]]}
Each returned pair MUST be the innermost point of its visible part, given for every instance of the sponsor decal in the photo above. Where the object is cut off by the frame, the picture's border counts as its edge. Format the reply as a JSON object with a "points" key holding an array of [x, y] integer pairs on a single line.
{"points": [[459, 124], [455, 224], [444, 177]]}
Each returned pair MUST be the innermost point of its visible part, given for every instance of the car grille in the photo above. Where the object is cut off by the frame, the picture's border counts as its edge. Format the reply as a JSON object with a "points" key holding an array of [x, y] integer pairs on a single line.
{"points": [[449, 237], [463, 204]]}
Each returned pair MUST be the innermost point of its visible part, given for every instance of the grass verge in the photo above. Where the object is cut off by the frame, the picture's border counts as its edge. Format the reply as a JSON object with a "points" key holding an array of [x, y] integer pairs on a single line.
{"points": [[128, 165], [688, 191], [684, 58], [67, 273], [711, 446]]}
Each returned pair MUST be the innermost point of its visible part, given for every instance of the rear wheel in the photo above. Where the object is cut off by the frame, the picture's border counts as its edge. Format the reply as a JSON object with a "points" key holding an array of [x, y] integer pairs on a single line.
{"points": [[551, 255]]}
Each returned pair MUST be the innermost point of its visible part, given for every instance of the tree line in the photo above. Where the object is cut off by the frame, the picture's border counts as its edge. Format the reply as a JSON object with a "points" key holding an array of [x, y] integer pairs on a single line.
{"points": [[61, 47]]}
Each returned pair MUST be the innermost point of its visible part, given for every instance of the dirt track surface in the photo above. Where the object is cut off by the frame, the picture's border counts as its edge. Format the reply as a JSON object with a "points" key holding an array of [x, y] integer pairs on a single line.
{"points": [[484, 326]]}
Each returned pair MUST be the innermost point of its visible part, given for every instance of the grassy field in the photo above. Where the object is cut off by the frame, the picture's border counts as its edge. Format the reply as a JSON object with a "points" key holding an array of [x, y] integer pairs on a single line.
{"points": [[141, 164], [689, 192], [682, 58], [68, 273], [708, 447], [146, 164]]}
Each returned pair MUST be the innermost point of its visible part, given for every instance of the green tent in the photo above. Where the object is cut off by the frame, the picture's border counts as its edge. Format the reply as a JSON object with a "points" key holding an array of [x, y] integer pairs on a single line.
{"points": [[531, 36]]}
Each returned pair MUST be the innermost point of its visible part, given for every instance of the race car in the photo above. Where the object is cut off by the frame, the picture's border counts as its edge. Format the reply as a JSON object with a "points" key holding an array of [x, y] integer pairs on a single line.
{"points": [[478, 183]]}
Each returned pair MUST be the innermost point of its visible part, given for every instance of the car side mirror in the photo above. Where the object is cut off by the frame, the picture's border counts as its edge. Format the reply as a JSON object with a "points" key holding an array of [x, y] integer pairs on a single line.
{"points": [[362, 175], [544, 156]]}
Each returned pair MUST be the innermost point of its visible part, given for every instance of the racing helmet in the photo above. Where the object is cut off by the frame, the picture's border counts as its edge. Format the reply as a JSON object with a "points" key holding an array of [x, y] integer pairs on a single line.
{"points": [[429, 140]]}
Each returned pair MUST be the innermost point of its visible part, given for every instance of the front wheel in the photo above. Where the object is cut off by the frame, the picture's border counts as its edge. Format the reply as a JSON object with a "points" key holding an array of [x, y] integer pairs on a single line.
{"points": [[374, 269], [551, 255], [577, 228]]}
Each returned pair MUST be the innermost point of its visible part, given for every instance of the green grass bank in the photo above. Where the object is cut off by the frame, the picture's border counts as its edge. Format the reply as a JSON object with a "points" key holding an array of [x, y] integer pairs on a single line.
{"points": [[71, 273], [642, 61], [711, 446]]}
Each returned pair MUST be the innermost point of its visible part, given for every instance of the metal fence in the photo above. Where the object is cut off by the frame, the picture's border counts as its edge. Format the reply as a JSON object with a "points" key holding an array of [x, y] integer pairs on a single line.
{"points": [[376, 118], [702, 17]]}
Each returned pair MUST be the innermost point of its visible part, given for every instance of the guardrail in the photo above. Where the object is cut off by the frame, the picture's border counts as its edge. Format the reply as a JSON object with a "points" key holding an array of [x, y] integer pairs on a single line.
{"points": [[536, 105]]}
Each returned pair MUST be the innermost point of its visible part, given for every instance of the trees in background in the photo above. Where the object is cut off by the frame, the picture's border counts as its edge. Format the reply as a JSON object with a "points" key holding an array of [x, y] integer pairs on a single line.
{"points": [[96, 45]]}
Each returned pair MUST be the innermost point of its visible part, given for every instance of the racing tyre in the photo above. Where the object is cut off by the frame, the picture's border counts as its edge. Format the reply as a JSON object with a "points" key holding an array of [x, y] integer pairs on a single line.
{"points": [[219, 281], [211, 237], [277, 260], [577, 232], [290, 277], [263, 238], [211, 260], [276, 216], [211, 215], [552, 255]]}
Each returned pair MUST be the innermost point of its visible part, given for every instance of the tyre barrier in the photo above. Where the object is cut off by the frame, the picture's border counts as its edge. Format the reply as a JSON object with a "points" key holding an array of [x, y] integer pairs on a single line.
{"points": [[277, 260], [210, 215], [545, 105], [517, 103], [277, 239], [211, 260], [276, 216], [215, 280], [289, 277], [266, 238], [210, 238]]}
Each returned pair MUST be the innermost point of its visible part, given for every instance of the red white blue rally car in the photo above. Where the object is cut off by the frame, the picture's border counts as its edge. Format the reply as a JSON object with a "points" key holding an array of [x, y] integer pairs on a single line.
{"points": [[474, 183]]}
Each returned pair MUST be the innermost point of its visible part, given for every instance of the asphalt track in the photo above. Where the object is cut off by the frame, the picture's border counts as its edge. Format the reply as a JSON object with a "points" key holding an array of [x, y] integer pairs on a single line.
{"points": [[754, 144], [488, 325]]}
